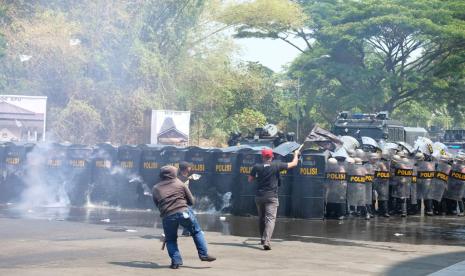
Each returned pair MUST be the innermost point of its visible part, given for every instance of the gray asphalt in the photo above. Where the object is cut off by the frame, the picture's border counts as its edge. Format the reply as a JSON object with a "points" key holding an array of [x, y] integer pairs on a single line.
{"points": [[95, 241]]}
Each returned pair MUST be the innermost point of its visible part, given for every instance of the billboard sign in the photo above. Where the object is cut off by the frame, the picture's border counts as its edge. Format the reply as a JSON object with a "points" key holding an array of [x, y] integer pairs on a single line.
{"points": [[22, 118], [169, 127]]}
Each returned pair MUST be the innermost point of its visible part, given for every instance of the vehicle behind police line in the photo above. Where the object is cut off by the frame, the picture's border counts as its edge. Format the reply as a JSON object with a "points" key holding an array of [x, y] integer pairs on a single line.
{"points": [[377, 126], [454, 139]]}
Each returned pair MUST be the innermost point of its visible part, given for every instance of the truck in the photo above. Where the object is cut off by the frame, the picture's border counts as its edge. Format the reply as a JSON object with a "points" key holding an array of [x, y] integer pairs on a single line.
{"points": [[378, 126], [454, 139]]}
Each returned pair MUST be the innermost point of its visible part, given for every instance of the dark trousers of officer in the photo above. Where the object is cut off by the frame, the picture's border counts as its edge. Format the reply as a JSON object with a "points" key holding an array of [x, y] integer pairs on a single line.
{"points": [[383, 208], [392, 201], [439, 207], [412, 207], [451, 206], [335, 210], [400, 206], [428, 206]]}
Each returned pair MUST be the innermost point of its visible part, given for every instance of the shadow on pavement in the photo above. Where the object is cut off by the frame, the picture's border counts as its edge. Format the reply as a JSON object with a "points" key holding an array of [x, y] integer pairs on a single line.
{"points": [[245, 244], [151, 265], [151, 237], [425, 265]]}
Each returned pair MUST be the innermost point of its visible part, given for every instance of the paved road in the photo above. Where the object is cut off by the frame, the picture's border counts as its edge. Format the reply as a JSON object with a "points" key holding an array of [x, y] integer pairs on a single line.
{"points": [[49, 245]]}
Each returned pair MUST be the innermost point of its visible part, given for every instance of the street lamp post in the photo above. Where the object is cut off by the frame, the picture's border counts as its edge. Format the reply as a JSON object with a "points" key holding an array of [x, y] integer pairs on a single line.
{"points": [[298, 109], [297, 88]]}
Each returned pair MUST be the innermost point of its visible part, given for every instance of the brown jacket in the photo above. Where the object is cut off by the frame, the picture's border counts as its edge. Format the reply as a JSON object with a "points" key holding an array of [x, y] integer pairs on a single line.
{"points": [[170, 194]]}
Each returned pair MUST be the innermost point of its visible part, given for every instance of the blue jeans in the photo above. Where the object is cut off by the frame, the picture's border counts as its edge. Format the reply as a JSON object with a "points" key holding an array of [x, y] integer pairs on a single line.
{"points": [[170, 227], [185, 231]]}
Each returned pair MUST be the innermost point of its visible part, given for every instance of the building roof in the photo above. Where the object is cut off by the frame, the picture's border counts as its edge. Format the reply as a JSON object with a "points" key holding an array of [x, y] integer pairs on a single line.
{"points": [[168, 125], [172, 134], [10, 108], [12, 112]]}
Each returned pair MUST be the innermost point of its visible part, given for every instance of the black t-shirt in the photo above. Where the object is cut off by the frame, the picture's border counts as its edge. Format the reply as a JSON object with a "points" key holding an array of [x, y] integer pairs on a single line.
{"points": [[267, 178]]}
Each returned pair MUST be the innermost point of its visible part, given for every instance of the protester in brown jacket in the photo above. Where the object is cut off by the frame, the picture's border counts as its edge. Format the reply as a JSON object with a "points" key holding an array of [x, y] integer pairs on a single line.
{"points": [[172, 198]]}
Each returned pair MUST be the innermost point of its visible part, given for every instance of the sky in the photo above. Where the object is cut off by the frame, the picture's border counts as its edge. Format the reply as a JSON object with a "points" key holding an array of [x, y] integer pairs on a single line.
{"points": [[272, 53]]}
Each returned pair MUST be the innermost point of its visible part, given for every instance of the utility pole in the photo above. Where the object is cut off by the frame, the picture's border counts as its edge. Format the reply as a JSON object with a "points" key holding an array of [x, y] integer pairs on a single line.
{"points": [[298, 109]]}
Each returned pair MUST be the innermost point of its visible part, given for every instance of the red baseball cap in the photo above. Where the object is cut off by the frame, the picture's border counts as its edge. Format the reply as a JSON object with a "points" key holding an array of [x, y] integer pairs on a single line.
{"points": [[267, 153]]}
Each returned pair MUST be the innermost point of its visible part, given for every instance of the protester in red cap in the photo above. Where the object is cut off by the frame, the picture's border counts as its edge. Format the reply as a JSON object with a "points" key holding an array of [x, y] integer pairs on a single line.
{"points": [[266, 175]]}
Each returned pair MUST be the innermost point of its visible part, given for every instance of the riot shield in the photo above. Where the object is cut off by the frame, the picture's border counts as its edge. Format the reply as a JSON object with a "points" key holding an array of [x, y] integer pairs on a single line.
{"points": [[285, 186], [2, 173], [223, 178], [336, 184], [128, 182], [402, 180], [356, 190], [14, 171], [439, 183], [244, 192], [381, 180], [425, 175], [308, 189], [103, 189], [370, 176], [79, 174], [149, 171], [202, 189], [456, 184]]}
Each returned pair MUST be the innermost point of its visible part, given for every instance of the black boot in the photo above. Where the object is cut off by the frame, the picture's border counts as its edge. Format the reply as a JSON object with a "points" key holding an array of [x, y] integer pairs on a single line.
{"points": [[383, 208], [428, 207], [461, 208], [403, 207]]}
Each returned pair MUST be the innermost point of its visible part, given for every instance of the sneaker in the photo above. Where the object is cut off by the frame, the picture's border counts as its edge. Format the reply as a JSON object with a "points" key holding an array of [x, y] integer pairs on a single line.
{"points": [[341, 218], [174, 266], [403, 215], [207, 258], [266, 247], [262, 242], [386, 215]]}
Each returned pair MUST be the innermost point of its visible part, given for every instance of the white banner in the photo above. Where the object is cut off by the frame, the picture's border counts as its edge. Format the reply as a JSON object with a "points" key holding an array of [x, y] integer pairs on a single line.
{"points": [[169, 127], [22, 118]]}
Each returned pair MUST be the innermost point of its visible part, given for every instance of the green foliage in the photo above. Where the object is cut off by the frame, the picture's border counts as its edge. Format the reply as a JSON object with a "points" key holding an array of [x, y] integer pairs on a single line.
{"points": [[78, 122], [123, 57], [384, 54], [277, 19], [110, 60], [2, 38], [248, 120]]}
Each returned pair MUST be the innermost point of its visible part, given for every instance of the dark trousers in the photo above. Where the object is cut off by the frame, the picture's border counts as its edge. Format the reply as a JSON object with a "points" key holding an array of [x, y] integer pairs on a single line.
{"points": [[413, 207], [383, 208], [267, 208], [451, 206], [439, 207], [335, 210], [400, 205]]}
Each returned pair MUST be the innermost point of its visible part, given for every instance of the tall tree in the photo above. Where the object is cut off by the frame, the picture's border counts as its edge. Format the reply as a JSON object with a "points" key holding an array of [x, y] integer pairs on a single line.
{"points": [[380, 54]]}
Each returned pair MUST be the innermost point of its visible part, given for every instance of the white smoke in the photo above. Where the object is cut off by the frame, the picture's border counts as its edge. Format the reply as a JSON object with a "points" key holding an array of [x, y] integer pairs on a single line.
{"points": [[42, 188], [226, 201]]}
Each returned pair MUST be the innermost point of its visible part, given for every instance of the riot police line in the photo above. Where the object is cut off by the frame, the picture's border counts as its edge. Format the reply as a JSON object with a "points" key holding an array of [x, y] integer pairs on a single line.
{"points": [[387, 179], [361, 180]]}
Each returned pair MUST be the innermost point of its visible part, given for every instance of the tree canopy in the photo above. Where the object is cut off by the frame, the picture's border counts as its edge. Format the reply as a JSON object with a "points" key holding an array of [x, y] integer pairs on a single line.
{"points": [[373, 55], [102, 63]]}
